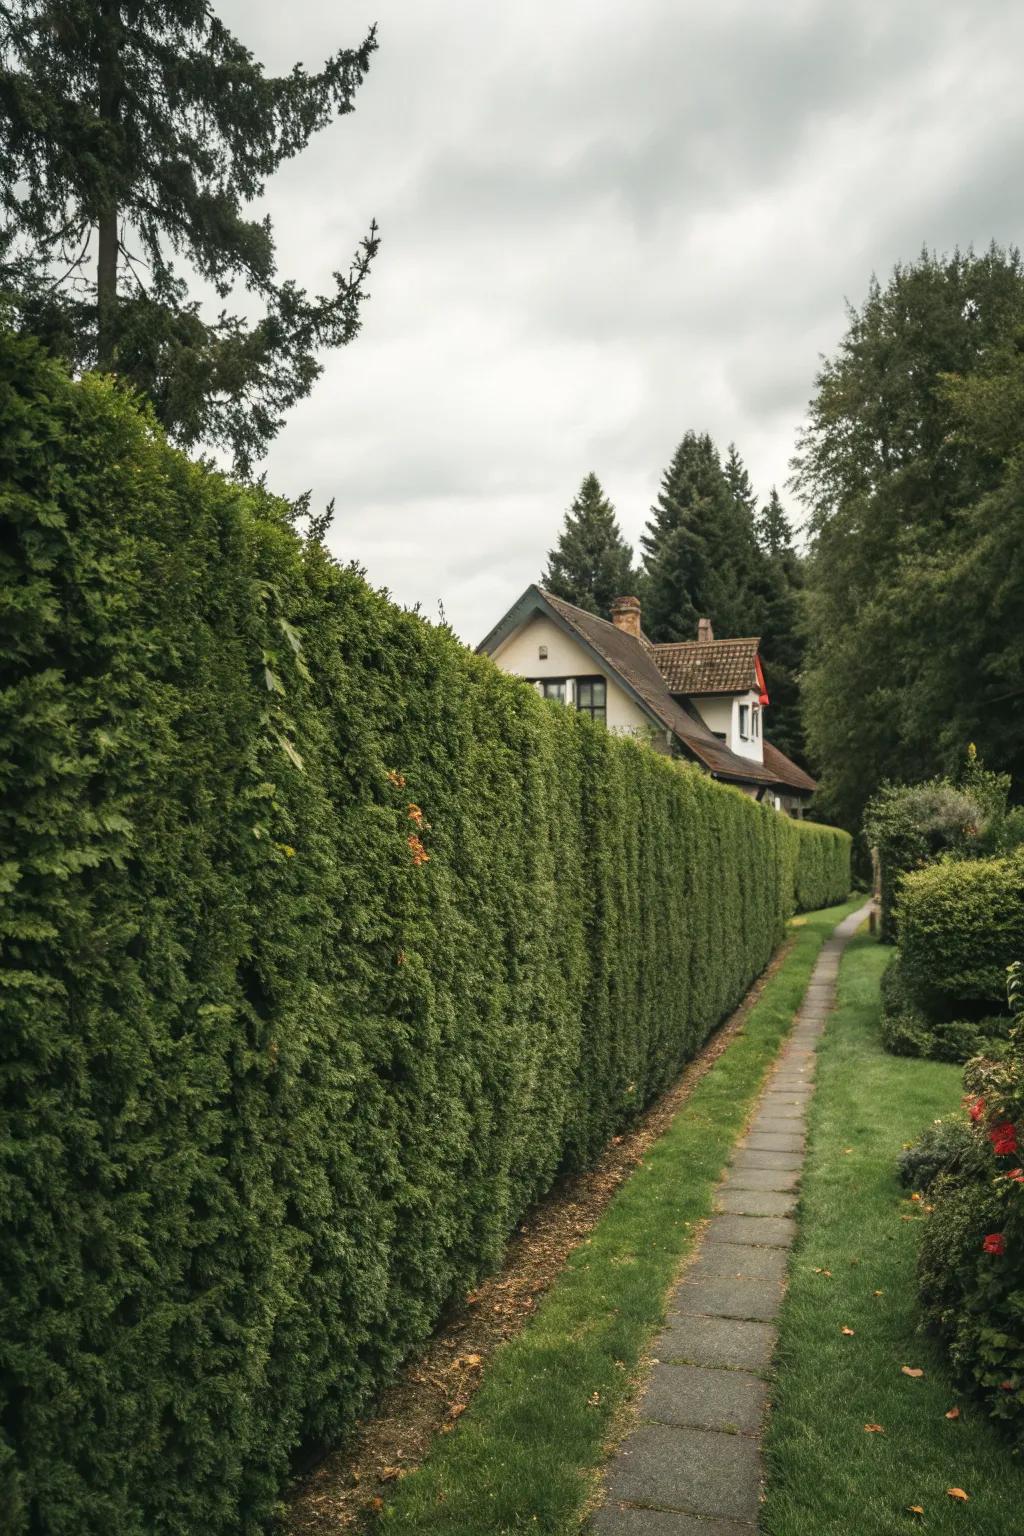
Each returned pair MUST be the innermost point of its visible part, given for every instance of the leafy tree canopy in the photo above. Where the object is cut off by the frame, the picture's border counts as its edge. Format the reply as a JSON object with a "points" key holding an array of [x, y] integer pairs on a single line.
{"points": [[591, 564], [132, 135], [911, 465]]}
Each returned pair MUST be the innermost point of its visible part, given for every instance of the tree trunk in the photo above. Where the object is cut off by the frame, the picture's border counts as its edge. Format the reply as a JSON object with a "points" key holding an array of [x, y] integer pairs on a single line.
{"points": [[106, 269]]}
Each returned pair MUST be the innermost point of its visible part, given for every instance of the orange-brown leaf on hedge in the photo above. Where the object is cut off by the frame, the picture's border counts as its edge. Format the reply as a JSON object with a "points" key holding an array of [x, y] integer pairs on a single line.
{"points": [[957, 1493], [912, 1370], [954, 1413]]}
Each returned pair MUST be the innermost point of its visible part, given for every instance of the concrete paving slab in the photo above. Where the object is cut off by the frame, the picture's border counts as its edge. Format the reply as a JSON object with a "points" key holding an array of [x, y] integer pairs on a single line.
{"points": [[627, 1520], [755, 1202], [722, 1342], [694, 1396], [764, 1178], [762, 1231], [699, 1471], [726, 1260], [745, 1157], [729, 1296], [776, 1125], [772, 1141]]}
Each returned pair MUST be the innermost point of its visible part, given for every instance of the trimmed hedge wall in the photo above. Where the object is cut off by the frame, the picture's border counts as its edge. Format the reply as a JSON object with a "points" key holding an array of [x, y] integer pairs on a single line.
{"points": [[325, 947]]}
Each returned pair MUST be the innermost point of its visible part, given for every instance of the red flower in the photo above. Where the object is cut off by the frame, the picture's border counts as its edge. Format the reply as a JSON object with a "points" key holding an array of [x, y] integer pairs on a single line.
{"points": [[1003, 1138], [995, 1243], [977, 1110], [1017, 1175]]}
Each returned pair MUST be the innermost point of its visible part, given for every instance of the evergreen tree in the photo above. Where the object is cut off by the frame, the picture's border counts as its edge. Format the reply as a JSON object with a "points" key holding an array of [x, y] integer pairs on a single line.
{"points": [[774, 534], [591, 564], [915, 583], [782, 642], [132, 131], [699, 549]]}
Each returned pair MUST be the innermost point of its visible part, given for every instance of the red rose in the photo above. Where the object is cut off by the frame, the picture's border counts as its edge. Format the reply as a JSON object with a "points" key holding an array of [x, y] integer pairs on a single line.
{"points": [[1017, 1174], [995, 1243], [977, 1110], [1003, 1138]]}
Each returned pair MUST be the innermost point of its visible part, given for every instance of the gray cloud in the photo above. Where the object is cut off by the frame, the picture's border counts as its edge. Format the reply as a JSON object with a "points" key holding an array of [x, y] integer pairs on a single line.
{"points": [[603, 225]]}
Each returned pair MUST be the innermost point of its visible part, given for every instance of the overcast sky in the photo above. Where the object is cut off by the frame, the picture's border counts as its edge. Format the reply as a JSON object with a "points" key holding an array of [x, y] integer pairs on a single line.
{"points": [[603, 225]]}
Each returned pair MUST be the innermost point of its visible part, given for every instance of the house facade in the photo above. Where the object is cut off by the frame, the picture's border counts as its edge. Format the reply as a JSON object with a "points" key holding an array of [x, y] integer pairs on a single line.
{"points": [[704, 699]]}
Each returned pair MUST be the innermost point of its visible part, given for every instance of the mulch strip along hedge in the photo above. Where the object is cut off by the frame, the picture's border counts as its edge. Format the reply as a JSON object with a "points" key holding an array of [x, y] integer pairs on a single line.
{"points": [[524, 1456]]}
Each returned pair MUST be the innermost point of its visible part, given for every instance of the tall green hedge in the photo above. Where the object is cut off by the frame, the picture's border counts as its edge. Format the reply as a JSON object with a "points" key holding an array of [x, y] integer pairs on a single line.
{"points": [[325, 947]]}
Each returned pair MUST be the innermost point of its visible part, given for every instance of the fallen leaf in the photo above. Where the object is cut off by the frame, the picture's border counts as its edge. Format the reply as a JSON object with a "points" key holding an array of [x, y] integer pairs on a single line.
{"points": [[916, 1509], [912, 1370], [878, 1293], [957, 1493], [826, 1272], [594, 1399], [847, 1151], [874, 1429], [916, 1199], [390, 1474], [848, 1332], [954, 1413], [377, 1502]]}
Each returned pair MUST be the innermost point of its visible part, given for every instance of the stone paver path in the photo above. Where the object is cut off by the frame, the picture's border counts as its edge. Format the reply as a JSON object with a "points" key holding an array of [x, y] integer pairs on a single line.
{"points": [[692, 1465]]}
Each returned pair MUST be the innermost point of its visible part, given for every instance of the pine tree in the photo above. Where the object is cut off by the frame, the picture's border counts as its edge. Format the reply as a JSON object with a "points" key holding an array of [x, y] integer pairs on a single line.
{"points": [[591, 564], [699, 548], [132, 131], [774, 533], [782, 643]]}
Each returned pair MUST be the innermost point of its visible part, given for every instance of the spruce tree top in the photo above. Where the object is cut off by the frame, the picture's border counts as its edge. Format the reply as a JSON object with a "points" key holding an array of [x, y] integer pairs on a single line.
{"points": [[592, 564], [133, 132]]}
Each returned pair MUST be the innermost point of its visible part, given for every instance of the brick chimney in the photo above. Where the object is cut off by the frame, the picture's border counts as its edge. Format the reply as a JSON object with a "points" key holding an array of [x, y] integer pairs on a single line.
{"points": [[704, 631], [626, 615]]}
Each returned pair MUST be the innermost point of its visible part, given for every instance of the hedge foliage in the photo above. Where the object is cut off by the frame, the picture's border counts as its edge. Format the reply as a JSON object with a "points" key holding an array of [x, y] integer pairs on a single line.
{"points": [[909, 1029], [961, 923], [325, 947]]}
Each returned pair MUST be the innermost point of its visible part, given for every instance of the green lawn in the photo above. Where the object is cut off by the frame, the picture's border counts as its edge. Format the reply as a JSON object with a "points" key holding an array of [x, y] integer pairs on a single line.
{"points": [[523, 1456], [827, 1476]]}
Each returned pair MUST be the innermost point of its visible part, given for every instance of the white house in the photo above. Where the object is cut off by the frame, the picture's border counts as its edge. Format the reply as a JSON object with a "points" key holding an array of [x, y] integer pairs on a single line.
{"points": [[704, 699]]}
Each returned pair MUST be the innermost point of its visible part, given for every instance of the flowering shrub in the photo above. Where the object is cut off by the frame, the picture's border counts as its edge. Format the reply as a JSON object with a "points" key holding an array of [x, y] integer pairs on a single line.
{"points": [[971, 1266]]}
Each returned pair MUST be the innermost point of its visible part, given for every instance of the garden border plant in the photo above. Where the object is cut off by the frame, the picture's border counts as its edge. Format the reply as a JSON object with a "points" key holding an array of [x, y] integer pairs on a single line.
{"points": [[326, 947]]}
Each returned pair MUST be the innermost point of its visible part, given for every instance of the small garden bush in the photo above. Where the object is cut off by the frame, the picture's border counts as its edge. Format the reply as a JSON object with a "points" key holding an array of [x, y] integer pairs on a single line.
{"points": [[909, 1030], [971, 1264], [961, 923], [911, 825], [326, 945]]}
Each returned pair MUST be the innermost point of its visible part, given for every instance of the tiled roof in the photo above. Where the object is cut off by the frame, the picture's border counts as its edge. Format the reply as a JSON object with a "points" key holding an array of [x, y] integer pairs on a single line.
{"points": [[785, 771], [708, 666], [634, 661], [637, 664]]}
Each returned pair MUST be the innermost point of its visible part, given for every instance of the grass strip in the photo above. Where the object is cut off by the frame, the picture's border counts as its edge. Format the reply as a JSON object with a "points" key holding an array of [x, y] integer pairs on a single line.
{"points": [[523, 1455], [828, 1476]]}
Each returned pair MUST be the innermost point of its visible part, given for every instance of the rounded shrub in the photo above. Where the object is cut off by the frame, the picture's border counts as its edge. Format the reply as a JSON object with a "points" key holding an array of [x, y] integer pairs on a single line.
{"points": [[961, 923]]}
